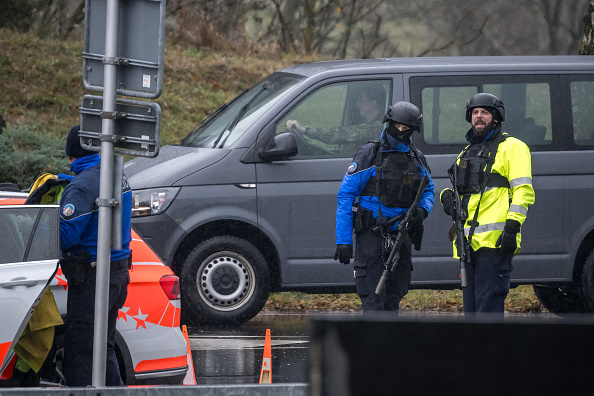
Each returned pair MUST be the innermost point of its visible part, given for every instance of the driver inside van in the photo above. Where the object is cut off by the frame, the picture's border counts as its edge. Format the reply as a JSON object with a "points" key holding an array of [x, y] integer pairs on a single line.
{"points": [[347, 139]]}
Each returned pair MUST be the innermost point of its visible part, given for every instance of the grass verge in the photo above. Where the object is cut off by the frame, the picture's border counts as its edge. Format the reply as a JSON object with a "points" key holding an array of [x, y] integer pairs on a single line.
{"points": [[519, 300]]}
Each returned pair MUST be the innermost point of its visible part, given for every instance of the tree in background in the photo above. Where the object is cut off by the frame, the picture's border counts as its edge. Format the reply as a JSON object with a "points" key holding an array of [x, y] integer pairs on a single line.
{"points": [[360, 23], [216, 24], [46, 18], [344, 28], [588, 44], [388, 28], [16, 15], [502, 27], [26, 154]]}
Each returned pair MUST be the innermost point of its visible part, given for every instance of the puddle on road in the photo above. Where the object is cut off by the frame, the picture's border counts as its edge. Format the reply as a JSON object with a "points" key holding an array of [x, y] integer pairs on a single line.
{"points": [[233, 354]]}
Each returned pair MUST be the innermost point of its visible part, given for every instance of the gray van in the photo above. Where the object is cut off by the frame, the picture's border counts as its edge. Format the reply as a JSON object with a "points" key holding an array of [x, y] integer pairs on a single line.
{"points": [[242, 207]]}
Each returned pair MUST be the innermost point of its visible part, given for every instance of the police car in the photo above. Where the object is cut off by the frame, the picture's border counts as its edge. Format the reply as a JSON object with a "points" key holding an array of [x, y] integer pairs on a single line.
{"points": [[150, 346]]}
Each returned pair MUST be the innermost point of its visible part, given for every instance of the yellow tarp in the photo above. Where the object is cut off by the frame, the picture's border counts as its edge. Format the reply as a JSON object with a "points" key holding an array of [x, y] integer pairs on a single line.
{"points": [[38, 337]]}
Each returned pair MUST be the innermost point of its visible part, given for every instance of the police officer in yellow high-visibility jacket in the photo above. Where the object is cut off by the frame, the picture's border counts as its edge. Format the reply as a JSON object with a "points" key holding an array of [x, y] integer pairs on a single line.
{"points": [[501, 194]]}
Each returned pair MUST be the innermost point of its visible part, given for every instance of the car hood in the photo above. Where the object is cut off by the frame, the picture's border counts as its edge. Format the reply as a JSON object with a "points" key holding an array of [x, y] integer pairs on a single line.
{"points": [[172, 164]]}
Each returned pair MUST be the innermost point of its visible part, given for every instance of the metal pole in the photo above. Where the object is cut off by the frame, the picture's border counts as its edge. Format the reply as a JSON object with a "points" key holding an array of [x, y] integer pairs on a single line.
{"points": [[105, 196], [116, 225]]}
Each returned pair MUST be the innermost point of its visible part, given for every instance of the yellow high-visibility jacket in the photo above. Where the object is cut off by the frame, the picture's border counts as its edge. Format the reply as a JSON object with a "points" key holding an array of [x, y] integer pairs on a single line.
{"points": [[513, 161]]}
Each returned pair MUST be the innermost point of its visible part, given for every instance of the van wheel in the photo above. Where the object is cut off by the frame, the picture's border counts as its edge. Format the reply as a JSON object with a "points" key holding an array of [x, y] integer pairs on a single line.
{"points": [[563, 299], [588, 282], [225, 280]]}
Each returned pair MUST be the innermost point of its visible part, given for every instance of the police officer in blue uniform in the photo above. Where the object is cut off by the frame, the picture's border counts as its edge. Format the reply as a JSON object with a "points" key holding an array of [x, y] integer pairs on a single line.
{"points": [[78, 237], [367, 194]]}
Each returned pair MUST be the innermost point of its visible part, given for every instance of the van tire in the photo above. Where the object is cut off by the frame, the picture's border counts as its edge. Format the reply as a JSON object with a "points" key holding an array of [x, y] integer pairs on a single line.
{"points": [[562, 299], [211, 275], [588, 282]]}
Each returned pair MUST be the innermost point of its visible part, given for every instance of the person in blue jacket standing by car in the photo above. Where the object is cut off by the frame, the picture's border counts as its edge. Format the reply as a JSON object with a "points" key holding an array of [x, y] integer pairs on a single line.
{"points": [[79, 222], [381, 183]]}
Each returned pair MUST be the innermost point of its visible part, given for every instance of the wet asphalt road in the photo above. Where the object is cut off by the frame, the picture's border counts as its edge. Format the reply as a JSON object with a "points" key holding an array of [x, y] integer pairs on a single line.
{"points": [[233, 354]]}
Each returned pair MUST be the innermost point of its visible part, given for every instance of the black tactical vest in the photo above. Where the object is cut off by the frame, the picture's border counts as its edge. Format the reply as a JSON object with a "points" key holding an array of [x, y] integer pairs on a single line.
{"points": [[400, 180], [472, 165], [470, 169]]}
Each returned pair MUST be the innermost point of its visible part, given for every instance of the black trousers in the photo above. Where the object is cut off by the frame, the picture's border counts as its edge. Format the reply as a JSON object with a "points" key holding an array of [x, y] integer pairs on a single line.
{"points": [[488, 275], [369, 267], [79, 329]]}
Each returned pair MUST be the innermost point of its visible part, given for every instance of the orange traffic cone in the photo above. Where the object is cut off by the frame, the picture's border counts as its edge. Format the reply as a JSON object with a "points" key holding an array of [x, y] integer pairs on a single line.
{"points": [[266, 372], [190, 378]]}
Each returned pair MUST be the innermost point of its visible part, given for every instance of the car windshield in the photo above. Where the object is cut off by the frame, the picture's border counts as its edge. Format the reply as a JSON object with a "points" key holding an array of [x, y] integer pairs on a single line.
{"points": [[228, 122]]}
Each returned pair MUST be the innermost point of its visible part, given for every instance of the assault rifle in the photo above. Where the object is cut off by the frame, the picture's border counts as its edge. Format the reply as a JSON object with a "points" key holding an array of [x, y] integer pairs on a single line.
{"points": [[460, 216], [401, 236]]}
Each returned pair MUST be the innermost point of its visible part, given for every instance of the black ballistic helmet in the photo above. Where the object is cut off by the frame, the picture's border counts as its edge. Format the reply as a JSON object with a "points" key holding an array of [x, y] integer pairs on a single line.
{"points": [[405, 113], [488, 102]]}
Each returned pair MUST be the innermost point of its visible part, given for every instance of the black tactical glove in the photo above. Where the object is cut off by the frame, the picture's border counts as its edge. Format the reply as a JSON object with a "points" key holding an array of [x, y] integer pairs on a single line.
{"points": [[447, 200], [417, 220], [343, 253], [507, 239]]}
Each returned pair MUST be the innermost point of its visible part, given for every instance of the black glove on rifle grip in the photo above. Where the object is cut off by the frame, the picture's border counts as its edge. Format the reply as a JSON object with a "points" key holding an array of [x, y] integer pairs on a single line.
{"points": [[417, 219]]}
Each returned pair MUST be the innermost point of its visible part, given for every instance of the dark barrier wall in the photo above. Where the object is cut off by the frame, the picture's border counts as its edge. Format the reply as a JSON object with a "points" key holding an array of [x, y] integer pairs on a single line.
{"points": [[452, 356]]}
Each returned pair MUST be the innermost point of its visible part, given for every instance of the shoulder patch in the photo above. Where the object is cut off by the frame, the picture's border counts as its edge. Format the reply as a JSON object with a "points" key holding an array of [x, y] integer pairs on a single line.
{"points": [[365, 157], [352, 168], [68, 210]]}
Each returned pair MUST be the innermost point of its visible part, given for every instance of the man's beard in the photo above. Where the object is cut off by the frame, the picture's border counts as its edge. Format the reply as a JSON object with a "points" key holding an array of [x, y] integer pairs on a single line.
{"points": [[487, 128]]}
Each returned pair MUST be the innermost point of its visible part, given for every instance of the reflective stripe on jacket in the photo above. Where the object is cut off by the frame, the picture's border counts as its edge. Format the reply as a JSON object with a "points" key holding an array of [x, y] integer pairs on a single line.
{"points": [[513, 161]]}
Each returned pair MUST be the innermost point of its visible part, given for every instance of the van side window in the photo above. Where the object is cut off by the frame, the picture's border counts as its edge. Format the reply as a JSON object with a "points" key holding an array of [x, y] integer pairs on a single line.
{"points": [[444, 114], [527, 106], [527, 111], [336, 119], [582, 103]]}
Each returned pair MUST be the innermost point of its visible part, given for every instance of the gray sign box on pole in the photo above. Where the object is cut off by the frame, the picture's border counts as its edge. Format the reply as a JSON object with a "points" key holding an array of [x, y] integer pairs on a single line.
{"points": [[140, 49], [137, 123]]}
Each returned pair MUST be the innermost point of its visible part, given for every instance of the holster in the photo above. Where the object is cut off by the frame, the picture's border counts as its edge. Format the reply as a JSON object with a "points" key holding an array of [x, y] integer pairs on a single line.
{"points": [[76, 268], [363, 220], [452, 233], [416, 236]]}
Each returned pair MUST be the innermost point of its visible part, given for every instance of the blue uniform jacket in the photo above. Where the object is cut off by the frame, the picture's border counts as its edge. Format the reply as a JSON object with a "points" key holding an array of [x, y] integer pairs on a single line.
{"points": [[354, 181], [79, 214]]}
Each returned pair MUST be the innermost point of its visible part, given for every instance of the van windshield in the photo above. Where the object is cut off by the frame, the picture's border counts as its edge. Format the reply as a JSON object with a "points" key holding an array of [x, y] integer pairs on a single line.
{"points": [[222, 127]]}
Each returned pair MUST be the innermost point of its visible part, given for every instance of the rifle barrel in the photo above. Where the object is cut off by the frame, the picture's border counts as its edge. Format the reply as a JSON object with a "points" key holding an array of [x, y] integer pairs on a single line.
{"points": [[460, 238], [462, 274]]}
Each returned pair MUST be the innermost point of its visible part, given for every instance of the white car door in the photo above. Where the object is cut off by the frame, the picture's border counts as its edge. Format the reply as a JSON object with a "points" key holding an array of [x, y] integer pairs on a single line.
{"points": [[29, 252]]}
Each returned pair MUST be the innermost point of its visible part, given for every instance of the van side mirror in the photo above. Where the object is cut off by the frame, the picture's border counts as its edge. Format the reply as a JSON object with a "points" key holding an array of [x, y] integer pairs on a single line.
{"points": [[281, 147]]}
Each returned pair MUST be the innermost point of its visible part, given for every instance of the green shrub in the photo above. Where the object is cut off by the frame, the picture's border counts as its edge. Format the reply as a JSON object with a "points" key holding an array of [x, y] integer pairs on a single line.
{"points": [[25, 155]]}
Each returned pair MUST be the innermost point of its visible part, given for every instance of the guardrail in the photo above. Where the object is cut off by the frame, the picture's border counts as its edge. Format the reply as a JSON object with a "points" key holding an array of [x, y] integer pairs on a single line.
{"points": [[297, 389]]}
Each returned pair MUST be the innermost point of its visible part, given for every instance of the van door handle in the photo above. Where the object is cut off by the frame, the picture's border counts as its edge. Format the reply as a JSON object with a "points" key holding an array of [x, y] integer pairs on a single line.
{"points": [[18, 282]]}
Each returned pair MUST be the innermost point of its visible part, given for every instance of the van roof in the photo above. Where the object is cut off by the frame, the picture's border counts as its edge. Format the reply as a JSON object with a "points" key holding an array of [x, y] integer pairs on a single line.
{"points": [[453, 63]]}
